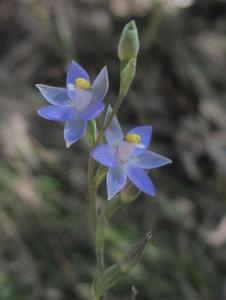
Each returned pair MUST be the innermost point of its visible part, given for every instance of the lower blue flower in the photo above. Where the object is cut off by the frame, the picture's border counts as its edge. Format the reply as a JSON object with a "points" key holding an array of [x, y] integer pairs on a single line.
{"points": [[128, 158], [76, 104]]}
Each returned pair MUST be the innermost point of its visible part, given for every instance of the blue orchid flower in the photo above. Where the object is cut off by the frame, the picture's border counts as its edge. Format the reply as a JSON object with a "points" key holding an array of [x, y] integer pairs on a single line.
{"points": [[128, 157], [76, 104]]}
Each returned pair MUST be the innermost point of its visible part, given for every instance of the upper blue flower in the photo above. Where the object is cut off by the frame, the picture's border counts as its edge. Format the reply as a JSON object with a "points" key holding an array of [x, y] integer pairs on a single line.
{"points": [[127, 157], [76, 104]]}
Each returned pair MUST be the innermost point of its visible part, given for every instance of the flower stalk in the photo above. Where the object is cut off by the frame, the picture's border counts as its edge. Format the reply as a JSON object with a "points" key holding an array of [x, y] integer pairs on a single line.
{"points": [[129, 39], [100, 235], [92, 193]]}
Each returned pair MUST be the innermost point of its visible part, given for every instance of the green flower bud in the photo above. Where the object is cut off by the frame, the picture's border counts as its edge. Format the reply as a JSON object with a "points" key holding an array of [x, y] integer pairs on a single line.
{"points": [[129, 43], [135, 254], [129, 193]]}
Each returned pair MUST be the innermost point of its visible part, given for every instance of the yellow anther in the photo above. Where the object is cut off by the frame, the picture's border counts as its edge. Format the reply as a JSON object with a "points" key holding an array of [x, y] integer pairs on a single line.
{"points": [[133, 138], [81, 83]]}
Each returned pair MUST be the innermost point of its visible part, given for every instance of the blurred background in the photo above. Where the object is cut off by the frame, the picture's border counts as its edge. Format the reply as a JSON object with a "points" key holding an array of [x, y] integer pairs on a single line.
{"points": [[180, 88]]}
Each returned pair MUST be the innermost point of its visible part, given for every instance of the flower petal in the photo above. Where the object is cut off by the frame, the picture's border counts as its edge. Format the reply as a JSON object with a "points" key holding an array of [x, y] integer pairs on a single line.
{"points": [[76, 71], [73, 130], [57, 113], [92, 112], [105, 155], [54, 95], [82, 100], [151, 160], [100, 86], [114, 133], [116, 180], [140, 178], [125, 150], [145, 133], [71, 91]]}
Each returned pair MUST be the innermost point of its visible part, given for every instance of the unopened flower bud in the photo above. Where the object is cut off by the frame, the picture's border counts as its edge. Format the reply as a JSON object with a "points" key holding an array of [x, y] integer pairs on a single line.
{"points": [[129, 42], [135, 254], [129, 193]]}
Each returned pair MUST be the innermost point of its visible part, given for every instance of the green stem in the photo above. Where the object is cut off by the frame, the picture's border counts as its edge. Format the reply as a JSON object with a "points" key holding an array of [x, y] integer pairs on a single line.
{"points": [[127, 74], [99, 221], [92, 193], [91, 163], [110, 118], [100, 232]]}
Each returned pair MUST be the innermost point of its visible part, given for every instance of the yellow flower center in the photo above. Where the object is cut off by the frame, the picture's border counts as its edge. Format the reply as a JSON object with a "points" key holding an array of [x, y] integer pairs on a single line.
{"points": [[133, 138], [81, 83]]}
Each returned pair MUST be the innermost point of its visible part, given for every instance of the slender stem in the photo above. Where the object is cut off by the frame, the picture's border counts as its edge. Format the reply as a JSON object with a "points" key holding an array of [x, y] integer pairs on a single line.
{"points": [[100, 259], [110, 118], [92, 193], [94, 218], [91, 163], [100, 233], [100, 221], [91, 187]]}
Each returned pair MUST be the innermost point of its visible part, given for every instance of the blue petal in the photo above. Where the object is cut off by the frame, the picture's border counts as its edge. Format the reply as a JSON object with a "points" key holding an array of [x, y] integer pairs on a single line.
{"points": [[105, 155], [92, 112], [114, 132], [76, 71], [71, 91], [140, 179], [125, 151], [151, 160], [116, 180], [145, 133], [57, 113], [54, 95], [100, 86], [73, 130]]}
